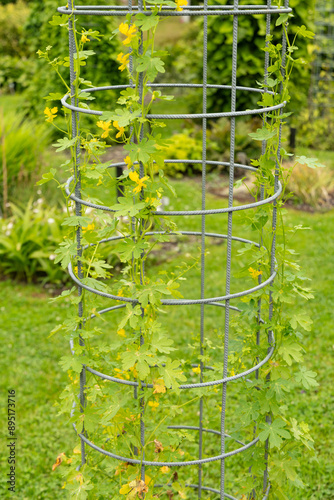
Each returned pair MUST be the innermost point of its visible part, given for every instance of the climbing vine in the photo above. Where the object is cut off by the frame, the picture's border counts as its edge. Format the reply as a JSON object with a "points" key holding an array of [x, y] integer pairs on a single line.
{"points": [[139, 348]]}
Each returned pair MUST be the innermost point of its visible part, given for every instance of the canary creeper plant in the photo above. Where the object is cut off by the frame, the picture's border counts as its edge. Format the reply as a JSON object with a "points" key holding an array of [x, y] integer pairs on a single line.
{"points": [[139, 347]]}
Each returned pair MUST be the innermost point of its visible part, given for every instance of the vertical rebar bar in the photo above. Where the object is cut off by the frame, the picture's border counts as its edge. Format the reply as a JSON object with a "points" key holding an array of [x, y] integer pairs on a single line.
{"points": [[229, 244], [141, 174], [204, 126], [78, 210]]}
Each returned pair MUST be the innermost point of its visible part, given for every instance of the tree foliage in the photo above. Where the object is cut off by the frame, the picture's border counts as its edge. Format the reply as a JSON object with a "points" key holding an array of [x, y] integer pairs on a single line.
{"points": [[251, 36]]}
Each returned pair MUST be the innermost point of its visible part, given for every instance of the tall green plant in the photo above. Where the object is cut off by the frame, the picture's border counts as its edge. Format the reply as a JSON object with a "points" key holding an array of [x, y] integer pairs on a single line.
{"points": [[139, 347]]}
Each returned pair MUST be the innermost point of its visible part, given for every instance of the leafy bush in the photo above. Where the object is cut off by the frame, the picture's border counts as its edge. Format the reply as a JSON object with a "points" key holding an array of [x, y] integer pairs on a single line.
{"points": [[188, 144], [12, 20], [27, 243], [251, 39], [16, 68], [24, 140], [315, 131], [183, 146]]}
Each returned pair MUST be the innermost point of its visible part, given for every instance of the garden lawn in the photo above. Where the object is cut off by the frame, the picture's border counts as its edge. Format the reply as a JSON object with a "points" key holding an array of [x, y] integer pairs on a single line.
{"points": [[29, 360]]}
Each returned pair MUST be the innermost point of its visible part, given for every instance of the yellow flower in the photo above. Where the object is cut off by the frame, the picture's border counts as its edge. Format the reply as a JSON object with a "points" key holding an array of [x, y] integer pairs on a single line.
{"points": [[180, 4], [165, 469], [123, 59], [140, 182], [120, 130], [105, 126], [128, 31], [121, 332], [133, 371], [84, 38], [50, 114], [159, 386], [153, 404], [128, 161], [150, 200], [232, 373], [197, 370], [90, 227], [254, 274]]}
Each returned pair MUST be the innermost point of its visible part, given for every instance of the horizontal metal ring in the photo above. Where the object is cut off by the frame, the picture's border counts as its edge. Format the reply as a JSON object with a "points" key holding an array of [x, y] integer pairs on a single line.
{"points": [[174, 302], [249, 10], [212, 490], [178, 301], [180, 116], [168, 464], [188, 386], [177, 213]]}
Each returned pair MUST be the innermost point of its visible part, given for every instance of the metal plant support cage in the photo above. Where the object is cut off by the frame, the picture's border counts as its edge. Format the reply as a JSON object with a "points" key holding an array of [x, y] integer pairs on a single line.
{"points": [[228, 13]]}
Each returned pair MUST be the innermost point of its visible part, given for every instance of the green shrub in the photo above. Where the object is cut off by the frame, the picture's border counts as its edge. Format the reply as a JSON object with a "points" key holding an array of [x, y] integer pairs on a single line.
{"points": [[27, 243], [12, 20], [251, 40], [23, 140], [188, 144], [183, 146], [16, 70]]}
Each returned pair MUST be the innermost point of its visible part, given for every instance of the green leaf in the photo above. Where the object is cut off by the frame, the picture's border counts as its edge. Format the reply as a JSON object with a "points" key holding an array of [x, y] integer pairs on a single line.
{"points": [[152, 66], [142, 151], [171, 374], [76, 220], [282, 19], [123, 116], [72, 363], [65, 252], [305, 33], [146, 22], [286, 469], [139, 358], [96, 284], [309, 162], [126, 206], [306, 378], [47, 177], [162, 344], [128, 248], [59, 20], [263, 134], [303, 320], [291, 351], [64, 143], [54, 97], [274, 432]]}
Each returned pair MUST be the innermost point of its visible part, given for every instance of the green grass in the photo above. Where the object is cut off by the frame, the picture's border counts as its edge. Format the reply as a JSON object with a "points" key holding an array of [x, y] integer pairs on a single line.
{"points": [[11, 102], [29, 365], [30, 360]]}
